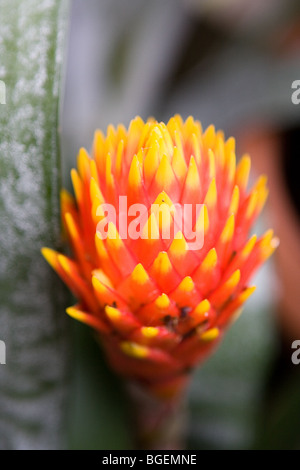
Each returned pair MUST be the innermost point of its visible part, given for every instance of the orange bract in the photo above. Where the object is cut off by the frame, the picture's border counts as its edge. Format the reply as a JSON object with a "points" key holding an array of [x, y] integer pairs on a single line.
{"points": [[158, 306]]}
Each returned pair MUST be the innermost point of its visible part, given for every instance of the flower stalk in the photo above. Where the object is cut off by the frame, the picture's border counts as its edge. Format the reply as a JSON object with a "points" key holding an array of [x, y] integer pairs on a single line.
{"points": [[157, 424]]}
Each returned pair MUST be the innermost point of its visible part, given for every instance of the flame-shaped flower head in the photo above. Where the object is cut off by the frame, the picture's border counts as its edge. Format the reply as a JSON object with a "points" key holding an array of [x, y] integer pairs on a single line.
{"points": [[159, 230]]}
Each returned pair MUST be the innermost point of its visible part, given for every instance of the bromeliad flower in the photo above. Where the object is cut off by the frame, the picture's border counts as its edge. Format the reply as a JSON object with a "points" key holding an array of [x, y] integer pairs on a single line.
{"points": [[160, 303]]}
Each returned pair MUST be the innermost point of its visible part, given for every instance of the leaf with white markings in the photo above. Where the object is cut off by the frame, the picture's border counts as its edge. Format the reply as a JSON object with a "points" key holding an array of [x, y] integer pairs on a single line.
{"points": [[33, 381]]}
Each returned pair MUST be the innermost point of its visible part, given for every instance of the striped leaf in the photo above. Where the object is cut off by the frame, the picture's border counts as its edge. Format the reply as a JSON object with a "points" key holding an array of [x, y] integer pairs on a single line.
{"points": [[33, 381]]}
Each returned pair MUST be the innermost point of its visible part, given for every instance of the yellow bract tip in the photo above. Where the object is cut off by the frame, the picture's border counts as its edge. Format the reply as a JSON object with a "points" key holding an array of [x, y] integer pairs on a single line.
{"points": [[234, 204], [212, 164], [162, 301], [163, 210], [268, 244], [196, 150], [76, 314], [163, 198], [249, 246], [192, 178], [113, 237], [83, 163], [261, 182], [267, 237], [220, 150], [251, 204], [243, 171], [228, 230], [145, 133], [101, 250], [95, 192], [108, 171], [98, 144], [187, 284], [149, 331], [162, 263], [50, 256], [179, 164], [72, 229], [65, 263], [209, 136], [66, 198], [210, 335], [77, 184], [134, 350], [210, 260], [164, 176], [135, 177], [139, 275], [112, 313], [151, 161], [246, 294], [211, 195], [234, 279], [178, 246], [230, 146], [98, 286], [202, 307], [231, 166], [192, 127], [119, 157]]}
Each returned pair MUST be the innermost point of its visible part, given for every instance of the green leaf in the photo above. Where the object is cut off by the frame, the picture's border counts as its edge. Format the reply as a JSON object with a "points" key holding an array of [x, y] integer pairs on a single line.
{"points": [[226, 395], [32, 324], [99, 409]]}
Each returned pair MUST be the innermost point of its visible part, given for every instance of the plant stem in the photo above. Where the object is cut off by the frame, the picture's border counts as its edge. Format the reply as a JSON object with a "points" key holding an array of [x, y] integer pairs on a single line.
{"points": [[158, 424]]}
